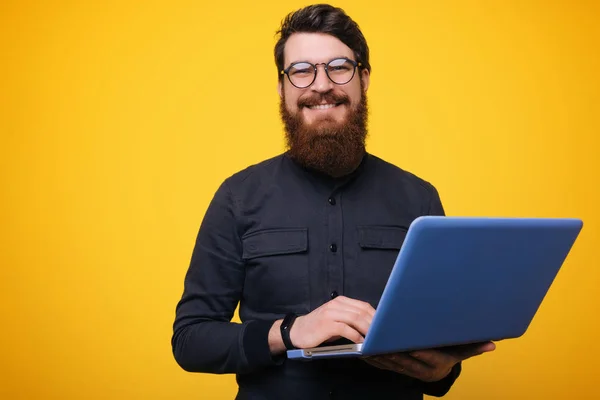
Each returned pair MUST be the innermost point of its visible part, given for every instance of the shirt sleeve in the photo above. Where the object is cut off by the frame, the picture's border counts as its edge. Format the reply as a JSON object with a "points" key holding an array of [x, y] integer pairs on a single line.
{"points": [[441, 387], [204, 338], [435, 203]]}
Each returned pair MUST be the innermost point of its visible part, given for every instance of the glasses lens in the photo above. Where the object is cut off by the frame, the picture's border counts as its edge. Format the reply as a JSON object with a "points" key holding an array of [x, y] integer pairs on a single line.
{"points": [[301, 74], [340, 71]]}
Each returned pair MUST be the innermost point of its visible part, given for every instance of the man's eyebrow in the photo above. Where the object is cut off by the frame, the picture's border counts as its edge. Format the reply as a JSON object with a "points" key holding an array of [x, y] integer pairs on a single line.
{"points": [[332, 58]]}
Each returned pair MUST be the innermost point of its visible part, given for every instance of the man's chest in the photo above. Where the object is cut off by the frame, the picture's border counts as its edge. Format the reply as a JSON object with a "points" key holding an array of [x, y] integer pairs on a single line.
{"points": [[300, 251]]}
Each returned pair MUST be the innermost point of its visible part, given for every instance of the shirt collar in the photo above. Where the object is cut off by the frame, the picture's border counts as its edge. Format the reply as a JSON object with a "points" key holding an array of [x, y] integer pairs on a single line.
{"points": [[328, 180]]}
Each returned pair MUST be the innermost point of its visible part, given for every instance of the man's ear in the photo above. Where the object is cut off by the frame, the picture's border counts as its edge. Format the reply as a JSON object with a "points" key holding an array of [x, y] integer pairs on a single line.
{"points": [[280, 88], [365, 76]]}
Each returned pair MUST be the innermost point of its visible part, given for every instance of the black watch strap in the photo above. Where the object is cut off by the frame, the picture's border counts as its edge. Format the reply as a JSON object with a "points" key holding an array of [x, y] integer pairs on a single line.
{"points": [[286, 326]]}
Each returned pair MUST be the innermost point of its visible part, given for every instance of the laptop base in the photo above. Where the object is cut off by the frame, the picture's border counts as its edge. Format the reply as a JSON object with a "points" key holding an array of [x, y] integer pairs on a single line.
{"points": [[344, 350]]}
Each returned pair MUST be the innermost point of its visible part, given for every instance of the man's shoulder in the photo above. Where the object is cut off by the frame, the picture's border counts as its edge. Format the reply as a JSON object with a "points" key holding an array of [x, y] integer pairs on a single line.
{"points": [[255, 172], [395, 173]]}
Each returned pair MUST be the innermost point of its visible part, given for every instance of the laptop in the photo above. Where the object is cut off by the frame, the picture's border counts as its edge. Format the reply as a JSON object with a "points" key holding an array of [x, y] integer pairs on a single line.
{"points": [[460, 280]]}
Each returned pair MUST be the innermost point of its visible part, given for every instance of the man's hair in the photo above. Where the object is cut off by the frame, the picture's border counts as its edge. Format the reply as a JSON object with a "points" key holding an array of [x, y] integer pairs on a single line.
{"points": [[322, 18]]}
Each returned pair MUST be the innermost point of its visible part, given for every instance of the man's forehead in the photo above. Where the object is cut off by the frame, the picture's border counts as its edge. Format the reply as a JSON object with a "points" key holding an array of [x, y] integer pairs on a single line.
{"points": [[314, 47]]}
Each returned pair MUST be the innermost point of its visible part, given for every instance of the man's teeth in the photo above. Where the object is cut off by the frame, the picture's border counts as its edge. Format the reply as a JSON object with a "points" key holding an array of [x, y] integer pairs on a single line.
{"points": [[321, 106]]}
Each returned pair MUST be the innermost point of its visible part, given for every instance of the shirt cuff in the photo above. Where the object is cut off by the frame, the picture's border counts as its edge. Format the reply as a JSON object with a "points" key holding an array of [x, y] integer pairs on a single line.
{"points": [[256, 345]]}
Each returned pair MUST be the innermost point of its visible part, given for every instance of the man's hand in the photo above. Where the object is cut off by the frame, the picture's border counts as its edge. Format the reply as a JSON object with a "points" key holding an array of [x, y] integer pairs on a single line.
{"points": [[340, 317], [429, 365]]}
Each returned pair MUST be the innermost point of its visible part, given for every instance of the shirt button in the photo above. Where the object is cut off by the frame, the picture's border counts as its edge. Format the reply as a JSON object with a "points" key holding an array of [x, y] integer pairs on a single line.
{"points": [[331, 201], [333, 247], [334, 294]]}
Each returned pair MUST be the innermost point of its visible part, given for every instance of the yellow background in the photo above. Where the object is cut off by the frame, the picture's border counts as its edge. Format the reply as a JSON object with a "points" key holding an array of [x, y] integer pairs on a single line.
{"points": [[119, 119]]}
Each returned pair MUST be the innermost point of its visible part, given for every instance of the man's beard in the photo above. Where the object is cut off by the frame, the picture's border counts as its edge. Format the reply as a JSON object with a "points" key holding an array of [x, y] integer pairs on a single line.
{"points": [[331, 147]]}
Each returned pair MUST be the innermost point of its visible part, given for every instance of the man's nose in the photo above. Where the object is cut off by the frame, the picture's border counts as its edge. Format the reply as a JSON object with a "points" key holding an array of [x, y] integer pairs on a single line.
{"points": [[322, 83]]}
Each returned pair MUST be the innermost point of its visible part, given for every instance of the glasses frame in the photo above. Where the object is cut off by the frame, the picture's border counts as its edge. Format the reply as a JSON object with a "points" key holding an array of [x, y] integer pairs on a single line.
{"points": [[325, 66]]}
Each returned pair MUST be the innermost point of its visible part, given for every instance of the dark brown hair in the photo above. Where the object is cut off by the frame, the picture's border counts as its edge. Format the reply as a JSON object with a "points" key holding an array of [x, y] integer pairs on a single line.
{"points": [[323, 18]]}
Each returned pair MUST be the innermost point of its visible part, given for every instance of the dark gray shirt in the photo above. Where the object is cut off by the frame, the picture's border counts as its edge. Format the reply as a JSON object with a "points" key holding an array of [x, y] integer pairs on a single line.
{"points": [[278, 238]]}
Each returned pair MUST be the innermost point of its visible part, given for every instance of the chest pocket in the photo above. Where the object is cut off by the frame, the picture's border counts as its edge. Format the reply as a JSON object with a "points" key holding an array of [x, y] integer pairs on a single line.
{"points": [[378, 247], [381, 237], [276, 270]]}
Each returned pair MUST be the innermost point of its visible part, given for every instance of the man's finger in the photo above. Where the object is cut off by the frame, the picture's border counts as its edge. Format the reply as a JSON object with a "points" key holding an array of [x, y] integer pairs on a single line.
{"points": [[467, 351], [386, 363], [360, 305], [344, 330], [360, 310], [376, 363], [412, 366], [434, 358], [357, 321], [406, 365]]}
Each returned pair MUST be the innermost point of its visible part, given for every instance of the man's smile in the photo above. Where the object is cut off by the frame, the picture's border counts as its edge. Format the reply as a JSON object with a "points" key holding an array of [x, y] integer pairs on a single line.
{"points": [[323, 106]]}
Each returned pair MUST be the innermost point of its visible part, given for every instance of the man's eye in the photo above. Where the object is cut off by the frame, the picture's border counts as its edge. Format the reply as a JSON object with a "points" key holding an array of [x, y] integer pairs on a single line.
{"points": [[301, 71]]}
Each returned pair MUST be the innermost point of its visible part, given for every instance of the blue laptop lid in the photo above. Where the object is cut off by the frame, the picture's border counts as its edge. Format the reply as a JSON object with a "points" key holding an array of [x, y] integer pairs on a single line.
{"points": [[468, 279]]}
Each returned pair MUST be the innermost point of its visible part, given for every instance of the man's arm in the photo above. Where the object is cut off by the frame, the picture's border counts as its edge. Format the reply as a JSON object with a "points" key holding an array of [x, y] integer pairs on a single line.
{"points": [[435, 206], [204, 339]]}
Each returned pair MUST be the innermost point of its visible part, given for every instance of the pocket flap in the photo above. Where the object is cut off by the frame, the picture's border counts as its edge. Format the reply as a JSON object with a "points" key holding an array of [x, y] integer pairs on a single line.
{"points": [[381, 237], [275, 241]]}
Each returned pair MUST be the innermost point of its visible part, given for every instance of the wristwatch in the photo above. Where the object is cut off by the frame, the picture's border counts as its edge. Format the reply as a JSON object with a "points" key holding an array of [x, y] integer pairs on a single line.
{"points": [[286, 326]]}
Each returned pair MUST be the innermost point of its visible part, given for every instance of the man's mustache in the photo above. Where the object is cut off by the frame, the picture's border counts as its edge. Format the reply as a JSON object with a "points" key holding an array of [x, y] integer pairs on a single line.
{"points": [[328, 98]]}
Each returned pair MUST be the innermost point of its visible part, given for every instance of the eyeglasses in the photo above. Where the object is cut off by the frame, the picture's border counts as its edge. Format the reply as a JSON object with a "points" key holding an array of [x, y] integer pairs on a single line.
{"points": [[340, 71]]}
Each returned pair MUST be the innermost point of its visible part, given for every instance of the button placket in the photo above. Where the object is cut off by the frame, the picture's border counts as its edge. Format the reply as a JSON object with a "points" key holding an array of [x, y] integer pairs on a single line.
{"points": [[334, 257]]}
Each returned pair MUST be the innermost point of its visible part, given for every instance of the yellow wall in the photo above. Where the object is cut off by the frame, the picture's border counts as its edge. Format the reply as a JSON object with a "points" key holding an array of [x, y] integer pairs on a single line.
{"points": [[119, 119]]}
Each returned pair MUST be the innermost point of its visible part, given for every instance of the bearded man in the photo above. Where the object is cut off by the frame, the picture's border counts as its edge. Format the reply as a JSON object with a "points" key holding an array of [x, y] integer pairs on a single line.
{"points": [[304, 242]]}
